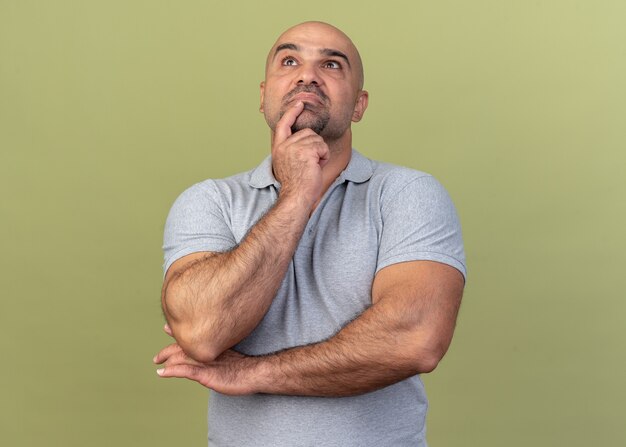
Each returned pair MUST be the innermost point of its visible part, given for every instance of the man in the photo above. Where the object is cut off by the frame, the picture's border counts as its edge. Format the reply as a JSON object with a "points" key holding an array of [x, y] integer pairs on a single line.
{"points": [[311, 292]]}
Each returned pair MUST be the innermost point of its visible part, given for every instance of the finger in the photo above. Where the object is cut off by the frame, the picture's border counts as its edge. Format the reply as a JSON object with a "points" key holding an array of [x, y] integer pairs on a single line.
{"points": [[308, 138], [166, 353], [168, 330], [324, 155], [283, 127], [191, 372], [180, 358], [305, 135]]}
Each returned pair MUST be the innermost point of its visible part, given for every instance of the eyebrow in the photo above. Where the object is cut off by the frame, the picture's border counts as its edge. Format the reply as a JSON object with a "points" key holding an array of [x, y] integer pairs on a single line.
{"points": [[335, 53], [323, 51], [285, 46]]}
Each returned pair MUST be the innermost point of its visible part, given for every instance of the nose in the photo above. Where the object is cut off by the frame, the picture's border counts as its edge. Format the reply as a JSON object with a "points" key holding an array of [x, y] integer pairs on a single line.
{"points": [[308, 75]]}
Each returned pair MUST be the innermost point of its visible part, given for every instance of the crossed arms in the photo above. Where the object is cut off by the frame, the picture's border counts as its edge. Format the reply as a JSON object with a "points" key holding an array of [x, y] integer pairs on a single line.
{"points": [[214, 300]]}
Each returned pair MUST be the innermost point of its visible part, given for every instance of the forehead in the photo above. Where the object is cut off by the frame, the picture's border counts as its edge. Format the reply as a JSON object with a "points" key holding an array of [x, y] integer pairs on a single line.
{"points": [[315, 36]]}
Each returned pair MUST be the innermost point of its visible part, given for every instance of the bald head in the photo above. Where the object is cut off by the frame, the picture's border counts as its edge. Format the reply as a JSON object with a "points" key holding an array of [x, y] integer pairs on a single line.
{"points": [[332, 40], [315, 64]]}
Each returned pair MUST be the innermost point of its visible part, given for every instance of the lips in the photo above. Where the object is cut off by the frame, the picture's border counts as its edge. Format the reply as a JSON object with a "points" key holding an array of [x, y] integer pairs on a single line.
{"points": [[307, 94], [308, 97]]}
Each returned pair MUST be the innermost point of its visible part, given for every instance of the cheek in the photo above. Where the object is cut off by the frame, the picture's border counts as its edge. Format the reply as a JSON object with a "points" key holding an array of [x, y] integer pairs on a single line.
{"points": [[345, 102], [270, 107], [271, 98]]}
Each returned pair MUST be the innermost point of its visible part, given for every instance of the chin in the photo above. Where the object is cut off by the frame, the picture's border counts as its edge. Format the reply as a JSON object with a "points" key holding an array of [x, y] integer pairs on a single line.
{"points": [[316, 127], [315, 122]]}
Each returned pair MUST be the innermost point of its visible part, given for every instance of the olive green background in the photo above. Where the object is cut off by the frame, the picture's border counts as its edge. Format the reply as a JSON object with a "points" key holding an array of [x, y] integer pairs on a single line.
{"points": [[109, 109]]}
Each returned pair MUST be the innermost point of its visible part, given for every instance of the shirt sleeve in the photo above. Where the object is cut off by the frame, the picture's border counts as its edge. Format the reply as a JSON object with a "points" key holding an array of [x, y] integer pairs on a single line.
{"points": [[420, 223], [196, 222]]}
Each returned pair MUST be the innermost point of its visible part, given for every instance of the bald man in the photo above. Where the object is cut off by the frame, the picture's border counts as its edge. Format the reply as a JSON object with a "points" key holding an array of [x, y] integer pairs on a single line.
{"points": [[309, 293]]}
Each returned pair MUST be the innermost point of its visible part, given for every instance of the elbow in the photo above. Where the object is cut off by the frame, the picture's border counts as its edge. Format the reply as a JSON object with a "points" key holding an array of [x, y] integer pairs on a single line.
{"points": [[172, 296], [200, 353], [427, 358], [197, 335], [428, 363], [194, 345]]}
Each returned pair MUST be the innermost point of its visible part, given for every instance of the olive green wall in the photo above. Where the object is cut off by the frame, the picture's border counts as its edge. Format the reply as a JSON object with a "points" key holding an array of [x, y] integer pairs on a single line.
{"points": [[109, 109]]}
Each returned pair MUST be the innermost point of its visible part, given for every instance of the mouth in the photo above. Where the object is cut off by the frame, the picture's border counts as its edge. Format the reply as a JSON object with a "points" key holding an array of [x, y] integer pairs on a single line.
{"points": [[308, 98], [310, 95]]}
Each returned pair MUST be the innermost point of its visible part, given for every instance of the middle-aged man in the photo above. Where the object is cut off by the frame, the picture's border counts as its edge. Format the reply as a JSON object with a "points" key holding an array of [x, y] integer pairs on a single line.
{"points": [[310, 292]]}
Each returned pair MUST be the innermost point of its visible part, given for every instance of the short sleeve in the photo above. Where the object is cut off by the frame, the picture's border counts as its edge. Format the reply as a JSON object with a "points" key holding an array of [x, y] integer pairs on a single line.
{"points": [[196, 222], [420, 223]]}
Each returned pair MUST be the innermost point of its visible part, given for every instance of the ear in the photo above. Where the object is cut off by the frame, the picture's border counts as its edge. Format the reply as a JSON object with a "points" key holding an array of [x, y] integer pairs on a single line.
{"points": [[262, 87], [360, 106]]}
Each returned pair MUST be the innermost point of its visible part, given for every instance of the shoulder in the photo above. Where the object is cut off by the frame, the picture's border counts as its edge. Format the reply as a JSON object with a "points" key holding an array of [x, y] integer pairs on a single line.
{"points": [[418, 216], [393, 181], [200, 219], [392, 174], [216, 189], [379, 172]]}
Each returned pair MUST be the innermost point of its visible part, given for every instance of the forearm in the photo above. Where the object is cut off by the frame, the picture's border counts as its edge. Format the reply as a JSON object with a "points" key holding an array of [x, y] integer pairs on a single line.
{"points": [[216, 301], [406, 331], [373, 351]]}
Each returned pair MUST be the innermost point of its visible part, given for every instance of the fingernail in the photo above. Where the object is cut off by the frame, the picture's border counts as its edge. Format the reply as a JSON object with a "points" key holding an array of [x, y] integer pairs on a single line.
{"points": [[160, 371], [154, 359]]}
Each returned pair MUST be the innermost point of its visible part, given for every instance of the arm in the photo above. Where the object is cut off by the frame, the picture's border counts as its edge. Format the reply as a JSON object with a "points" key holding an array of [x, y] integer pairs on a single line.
{"points": [[213, 300], [406, 331]]}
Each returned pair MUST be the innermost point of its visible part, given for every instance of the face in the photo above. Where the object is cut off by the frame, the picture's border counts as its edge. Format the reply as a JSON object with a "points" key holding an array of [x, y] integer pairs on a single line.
{"points": [[317, 64]]}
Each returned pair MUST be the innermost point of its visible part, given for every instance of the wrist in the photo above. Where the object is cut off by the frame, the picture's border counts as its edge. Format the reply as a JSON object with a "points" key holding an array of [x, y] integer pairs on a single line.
{"points": [[296, 202], [259, 375]]}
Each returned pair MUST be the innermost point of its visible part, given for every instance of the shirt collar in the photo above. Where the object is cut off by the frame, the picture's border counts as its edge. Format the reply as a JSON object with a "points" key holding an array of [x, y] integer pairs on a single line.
{"points": [[262, 176], [359, 170]]}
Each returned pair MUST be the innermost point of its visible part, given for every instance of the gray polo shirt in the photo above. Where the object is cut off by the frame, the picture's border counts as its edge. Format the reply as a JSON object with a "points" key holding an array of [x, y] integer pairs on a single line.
{"points": [[374, 215]]}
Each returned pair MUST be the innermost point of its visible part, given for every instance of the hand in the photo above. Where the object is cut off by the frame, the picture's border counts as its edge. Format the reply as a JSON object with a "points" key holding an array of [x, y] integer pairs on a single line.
{"points": [[225, 374], [298, 159]]}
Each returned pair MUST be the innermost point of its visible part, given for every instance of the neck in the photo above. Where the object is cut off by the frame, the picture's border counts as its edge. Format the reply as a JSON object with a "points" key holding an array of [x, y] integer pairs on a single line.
{"points": [[340, 155], [331, 170], [336, 164], [340, 152]]}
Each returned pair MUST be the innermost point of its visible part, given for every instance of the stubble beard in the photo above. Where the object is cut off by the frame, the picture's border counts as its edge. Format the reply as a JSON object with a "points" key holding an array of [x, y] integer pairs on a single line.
{"points": [[313, 118], [316, 117]]}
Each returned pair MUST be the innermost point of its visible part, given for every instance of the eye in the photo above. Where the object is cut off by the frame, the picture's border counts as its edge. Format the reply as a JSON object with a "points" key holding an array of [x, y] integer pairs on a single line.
{"points": [[332, 64], [289, 61]]}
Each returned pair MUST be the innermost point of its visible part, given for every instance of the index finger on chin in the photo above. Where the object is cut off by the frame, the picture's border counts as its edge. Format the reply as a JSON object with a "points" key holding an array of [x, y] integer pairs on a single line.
{"points": [[283, 127]]}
